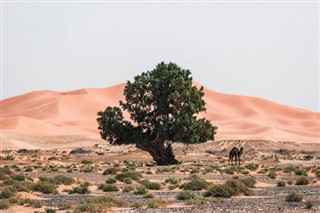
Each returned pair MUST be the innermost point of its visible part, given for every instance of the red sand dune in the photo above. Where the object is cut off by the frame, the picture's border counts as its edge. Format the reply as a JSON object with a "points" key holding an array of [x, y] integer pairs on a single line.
{"points": [[48, 113]]}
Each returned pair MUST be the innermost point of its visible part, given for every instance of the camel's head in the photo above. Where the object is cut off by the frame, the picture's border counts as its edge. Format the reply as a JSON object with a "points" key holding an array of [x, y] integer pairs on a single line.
{"points": [[241, 150]]}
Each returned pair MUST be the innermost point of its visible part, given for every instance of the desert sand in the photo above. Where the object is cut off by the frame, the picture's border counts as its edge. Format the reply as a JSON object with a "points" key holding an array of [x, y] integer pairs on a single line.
{"points": [[39, 118]]}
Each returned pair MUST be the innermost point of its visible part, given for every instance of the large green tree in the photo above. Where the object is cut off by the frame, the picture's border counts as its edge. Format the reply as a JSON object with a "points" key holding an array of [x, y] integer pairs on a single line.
{"points": [[162, 104]]}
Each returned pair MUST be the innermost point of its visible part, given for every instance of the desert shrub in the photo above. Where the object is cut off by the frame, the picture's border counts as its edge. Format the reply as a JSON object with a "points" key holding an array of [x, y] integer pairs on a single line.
{"points": [[20, 186], [137, 205], [150, 185], [228, 171], [132, 175], [196, 183], [281, 184], [50, 210], [19, 177], [45, 187], [289, 169], [218, 190], [263, 171], [186, 195], [157, 204], [249, 181], [110, 171], [82, 189], [128, 188], [302, 181], [148, 195], [64, 205], [293, 197], [272, 175], [127, 180], [7, 192], [194, 171], [61, 179], [252, 166], [238, 187], [35, 203], [101, 204], [232, 187], [159, 170], [87, 169], [141, 190], [309, 204], [299, 172], [110, 188], [5, 173], [111, 180], [289, 182], [4, 204], [86, 162], [172, 181]]}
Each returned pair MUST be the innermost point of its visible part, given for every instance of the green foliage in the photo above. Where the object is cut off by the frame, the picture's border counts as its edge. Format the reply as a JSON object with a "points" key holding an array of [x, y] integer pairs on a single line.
{"points": [[4, 204], [272, 175], [162, 104], [110, 188], [173, 181], [186, 195], [110, 171], [82, 189], [252, 166], [196, 183], [132, 175], [45, 187], [302, 181], [128, 188], [281, 184], [293, 197], [111, 180], [150, 185], [7, 192], [309, 204], [141, 190], [232, 187]]}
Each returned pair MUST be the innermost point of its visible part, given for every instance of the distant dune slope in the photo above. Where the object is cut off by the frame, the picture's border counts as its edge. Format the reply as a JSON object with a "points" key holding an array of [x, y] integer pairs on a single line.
{"points": [[48, 113]]}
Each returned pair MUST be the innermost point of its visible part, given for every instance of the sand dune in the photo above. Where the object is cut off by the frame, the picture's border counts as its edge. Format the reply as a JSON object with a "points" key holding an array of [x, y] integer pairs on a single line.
{"points": [[49, 113]]}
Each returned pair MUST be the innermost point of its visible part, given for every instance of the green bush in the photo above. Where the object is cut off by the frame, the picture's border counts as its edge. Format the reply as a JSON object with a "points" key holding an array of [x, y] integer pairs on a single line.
{"points": [[196, 183], [45, 187], [101, 204], [186, 195], [35, 203], [19, 177], [148, 195], [141, 190], [5, 173], [218, 190], [128, 188], [293, 197], [172, 181], [132, 175], [110, 171], [82, 189], [309, 204], [110, 188], [111, 180], [7, 192], [252, 166], [127, 180], [232, 187], [302, 181], [281, 184], [4, 204], [249, 181], [61, 179], [272, 175], [150, 185]]}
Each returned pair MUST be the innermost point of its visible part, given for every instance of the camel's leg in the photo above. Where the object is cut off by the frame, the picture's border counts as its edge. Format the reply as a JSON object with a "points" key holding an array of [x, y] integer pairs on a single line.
{"points": [[239, 159], [236, 159]]}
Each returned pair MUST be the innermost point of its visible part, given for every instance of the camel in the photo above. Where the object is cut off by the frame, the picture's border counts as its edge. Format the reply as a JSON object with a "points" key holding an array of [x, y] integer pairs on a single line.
{"points": [[235, 153]]}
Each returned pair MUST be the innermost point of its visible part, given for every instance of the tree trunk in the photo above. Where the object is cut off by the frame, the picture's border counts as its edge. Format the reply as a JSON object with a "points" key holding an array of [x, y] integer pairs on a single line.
{"points": [[162, 154]]}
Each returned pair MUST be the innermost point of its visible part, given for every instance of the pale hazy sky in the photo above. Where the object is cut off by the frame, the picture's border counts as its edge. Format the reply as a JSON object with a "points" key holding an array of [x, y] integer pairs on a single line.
{"points": [[261, 49]]}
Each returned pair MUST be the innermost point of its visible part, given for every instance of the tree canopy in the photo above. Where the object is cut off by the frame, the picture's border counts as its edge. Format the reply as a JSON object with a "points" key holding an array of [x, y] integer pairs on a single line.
{"points": [[163, 105]]}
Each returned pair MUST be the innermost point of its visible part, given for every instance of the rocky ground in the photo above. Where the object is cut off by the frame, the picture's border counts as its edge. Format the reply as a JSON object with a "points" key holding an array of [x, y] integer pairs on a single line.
{"points": [[288, 161]]}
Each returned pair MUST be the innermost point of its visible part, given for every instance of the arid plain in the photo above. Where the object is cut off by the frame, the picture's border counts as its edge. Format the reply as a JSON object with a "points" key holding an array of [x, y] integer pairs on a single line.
{"points": [[54, 160]]}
